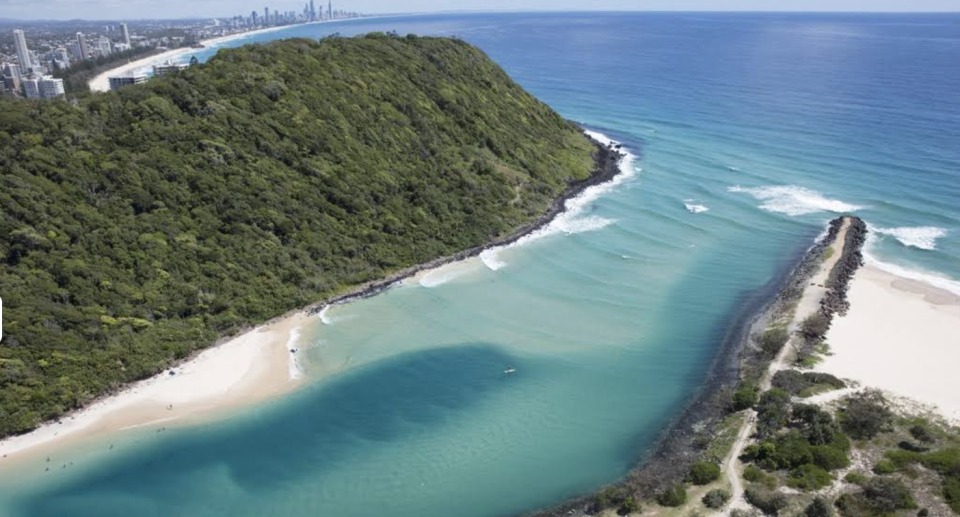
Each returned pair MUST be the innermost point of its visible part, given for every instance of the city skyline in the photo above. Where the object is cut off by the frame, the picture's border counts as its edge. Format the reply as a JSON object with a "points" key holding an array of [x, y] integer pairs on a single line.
{"points": [[27, 10]]}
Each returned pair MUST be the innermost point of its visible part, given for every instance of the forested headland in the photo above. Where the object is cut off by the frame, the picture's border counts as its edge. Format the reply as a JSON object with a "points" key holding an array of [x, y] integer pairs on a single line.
{"points": [[139, 226]]}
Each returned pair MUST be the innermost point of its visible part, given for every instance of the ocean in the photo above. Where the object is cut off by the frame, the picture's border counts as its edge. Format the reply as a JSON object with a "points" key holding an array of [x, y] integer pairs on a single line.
{"points": [[747, 133]]}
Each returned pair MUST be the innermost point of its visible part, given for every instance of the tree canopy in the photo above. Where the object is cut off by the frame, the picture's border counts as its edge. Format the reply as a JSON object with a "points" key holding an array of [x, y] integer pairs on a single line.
{"points": [[139, 226]]}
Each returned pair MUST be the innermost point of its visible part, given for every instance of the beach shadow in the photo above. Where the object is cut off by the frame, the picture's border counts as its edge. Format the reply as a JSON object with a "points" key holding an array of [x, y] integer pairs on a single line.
{"points": [[308, 434]]}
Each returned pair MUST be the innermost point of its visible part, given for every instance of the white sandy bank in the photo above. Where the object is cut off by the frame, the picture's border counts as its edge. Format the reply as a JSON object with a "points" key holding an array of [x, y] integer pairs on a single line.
{"points": [[251, 367], [901, 336], [101, 82]]}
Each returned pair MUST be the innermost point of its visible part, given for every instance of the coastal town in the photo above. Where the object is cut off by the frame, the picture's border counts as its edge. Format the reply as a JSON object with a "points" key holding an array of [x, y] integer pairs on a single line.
{"points": [[37, 58]]}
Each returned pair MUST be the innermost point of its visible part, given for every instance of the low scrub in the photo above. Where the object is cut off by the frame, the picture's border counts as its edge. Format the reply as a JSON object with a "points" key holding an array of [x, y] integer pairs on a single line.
{"points": [[716, 498], [673, 496], [770, 503], [704, 473]]}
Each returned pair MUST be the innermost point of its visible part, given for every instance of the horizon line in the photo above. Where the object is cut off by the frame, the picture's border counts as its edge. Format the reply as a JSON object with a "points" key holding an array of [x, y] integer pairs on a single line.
{"points": [[494, 11]]}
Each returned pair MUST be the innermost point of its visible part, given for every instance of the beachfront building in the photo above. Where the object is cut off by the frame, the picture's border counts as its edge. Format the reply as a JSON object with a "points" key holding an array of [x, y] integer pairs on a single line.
{"points": [[168, 68], [23, 53], [126, 80], [126, 35], [42, 87]]}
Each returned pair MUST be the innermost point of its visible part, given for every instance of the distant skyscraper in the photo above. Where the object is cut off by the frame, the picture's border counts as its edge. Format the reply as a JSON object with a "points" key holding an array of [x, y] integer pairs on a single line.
{"points": [[313, 12], [82, 45], [266, 16], [23, 54], [103, 46], [126, 33], [330, 9]]}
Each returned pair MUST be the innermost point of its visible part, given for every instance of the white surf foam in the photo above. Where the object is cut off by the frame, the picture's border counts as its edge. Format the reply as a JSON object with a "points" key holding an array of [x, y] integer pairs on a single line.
{"points": [[923, 237], [438, 277], [933, 279], [734, 169], [793, 200], [324, 317], [692, 208], [570, 220]]}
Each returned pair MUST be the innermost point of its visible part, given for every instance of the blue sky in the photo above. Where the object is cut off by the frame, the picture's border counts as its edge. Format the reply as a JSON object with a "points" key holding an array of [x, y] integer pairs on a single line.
{"points": [[117, 9]]}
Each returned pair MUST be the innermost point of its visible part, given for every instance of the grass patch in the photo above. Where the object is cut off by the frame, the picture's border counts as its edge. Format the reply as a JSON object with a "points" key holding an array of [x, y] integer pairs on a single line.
{"points": [[724, 437]]}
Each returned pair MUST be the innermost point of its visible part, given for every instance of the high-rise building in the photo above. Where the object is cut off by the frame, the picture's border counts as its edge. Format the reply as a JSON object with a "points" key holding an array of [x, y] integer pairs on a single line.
{"points": [[82, 45], [126, 33], [103, 46], [266, 16], [23, 53], [329, 9], [313, 12]]}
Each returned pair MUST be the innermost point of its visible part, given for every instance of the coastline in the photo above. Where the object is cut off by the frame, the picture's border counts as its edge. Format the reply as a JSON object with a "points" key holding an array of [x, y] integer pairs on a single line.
{"points": [[900, 336], [737, 360], [255, 364], [101, 82], [248, 368]]}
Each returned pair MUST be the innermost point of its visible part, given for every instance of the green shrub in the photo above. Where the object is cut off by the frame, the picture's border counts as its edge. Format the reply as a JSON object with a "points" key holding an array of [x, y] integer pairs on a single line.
{"points": [[716, 498], [884, 467], [607, 497], [922, 433], [773, 412], [766, 501], [744, 398], [829, 457], [951, 491], [752, 473], [815, 326], [673, 496], [704, 473], [866, 414], [887, 495], [772, 341], [809, 477], [629, 505], [819, 507], [855, 478]]}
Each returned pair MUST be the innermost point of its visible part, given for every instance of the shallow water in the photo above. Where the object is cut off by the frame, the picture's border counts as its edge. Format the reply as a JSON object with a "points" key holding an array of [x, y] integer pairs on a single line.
{"points": [[751, 131]]}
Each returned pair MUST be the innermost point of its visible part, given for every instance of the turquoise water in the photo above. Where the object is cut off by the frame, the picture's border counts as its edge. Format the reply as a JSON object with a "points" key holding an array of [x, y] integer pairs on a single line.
{"points": [[749, 133]]}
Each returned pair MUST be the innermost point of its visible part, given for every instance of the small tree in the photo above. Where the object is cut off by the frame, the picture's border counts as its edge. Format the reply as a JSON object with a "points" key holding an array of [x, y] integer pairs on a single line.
{"points": [[772, 341], [820, 507], [704, 473], [716, 498], [630, 505], [673, 496], [745, 397], [815, 326], [866, 414]]}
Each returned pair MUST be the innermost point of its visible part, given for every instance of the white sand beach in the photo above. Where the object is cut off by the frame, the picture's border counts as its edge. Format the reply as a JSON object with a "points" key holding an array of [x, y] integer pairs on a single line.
{"points": [[101, 82], [901, 336], [252, 367]]}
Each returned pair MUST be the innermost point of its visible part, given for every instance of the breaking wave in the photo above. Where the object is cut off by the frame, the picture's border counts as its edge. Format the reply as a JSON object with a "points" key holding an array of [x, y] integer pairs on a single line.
{"points": [[692, 208], [793, 200], [922, 237], [570, 220]]}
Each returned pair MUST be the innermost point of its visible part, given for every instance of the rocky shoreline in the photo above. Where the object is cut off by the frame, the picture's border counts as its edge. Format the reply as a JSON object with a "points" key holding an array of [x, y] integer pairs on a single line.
{"points": [[682, 442], [607, 167]]}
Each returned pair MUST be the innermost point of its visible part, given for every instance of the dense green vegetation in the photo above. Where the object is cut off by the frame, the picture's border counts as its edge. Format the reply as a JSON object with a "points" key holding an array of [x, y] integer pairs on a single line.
{"points": [[137, 227]]}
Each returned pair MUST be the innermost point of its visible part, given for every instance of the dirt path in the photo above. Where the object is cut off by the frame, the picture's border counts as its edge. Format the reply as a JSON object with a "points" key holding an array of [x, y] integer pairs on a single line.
{"points": [[809, 304]]}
